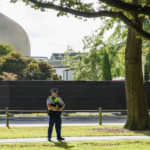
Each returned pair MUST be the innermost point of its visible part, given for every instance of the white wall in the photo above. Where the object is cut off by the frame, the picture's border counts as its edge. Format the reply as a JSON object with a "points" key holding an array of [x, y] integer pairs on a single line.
{"points": [[65, 73], [60, 71], [68, 75]]}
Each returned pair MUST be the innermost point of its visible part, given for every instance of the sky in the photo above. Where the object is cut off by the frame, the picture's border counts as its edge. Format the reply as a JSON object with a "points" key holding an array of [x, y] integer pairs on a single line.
{"points": [[48, 33]]}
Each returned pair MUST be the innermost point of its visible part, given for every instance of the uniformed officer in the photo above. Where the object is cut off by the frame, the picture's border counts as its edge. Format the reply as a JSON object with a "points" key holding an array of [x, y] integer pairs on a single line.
{"points": [[55, 106]]}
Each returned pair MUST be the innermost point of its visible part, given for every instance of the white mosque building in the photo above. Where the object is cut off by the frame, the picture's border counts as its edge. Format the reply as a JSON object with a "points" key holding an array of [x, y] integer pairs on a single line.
{"points": [[12, 33]]}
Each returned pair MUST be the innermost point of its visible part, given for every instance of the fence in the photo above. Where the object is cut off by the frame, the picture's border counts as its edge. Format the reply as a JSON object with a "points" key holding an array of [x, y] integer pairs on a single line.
{"points": [[77, 95]]}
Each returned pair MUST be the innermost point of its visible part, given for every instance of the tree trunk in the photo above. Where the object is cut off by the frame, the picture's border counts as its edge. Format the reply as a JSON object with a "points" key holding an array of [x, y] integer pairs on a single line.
{"points": [[137, 115]]}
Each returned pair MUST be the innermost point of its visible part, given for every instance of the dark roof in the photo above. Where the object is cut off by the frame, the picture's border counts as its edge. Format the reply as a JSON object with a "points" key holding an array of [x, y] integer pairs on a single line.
{"points": [[56, 64], [41, 58], [38, 58], [60, 56]]}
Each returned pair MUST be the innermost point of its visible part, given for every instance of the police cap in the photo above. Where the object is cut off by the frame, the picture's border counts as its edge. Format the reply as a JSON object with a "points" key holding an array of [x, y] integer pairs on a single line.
{"points": [[54, 90]]}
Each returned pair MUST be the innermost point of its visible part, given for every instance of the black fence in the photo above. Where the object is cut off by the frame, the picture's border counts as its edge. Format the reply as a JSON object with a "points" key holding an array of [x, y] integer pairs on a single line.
{"points": [[77, 95]]}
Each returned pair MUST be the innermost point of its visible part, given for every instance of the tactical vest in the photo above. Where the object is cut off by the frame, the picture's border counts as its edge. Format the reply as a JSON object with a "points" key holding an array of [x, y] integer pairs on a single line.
{"points": [[55, 102]]}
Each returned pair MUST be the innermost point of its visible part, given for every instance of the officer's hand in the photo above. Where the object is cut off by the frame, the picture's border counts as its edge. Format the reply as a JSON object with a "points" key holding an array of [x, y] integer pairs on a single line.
{"points": [[59, 109], [54, 108]]}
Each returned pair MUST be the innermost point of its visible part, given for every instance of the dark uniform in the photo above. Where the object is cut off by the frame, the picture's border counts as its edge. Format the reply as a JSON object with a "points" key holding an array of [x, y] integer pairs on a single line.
{"points": [[54, 115]]}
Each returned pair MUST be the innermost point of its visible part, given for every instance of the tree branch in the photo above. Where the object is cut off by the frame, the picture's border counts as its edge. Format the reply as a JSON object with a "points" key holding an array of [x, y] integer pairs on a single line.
{"points": [[128, 6], [119, 15]]}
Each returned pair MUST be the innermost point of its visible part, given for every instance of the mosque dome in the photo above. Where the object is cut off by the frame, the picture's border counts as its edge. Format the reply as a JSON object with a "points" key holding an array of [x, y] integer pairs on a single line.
{"points": [[12, 33]]}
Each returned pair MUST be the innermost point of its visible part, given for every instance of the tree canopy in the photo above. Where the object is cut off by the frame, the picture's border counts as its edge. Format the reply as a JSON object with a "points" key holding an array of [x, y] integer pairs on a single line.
{"points": [[89, 63], [114, 45], [13, 66], [5, 49], [123, 9]]}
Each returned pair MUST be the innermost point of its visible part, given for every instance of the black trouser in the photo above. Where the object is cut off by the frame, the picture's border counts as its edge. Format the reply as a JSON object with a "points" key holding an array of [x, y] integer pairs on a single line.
{"points": [[54, 118]]}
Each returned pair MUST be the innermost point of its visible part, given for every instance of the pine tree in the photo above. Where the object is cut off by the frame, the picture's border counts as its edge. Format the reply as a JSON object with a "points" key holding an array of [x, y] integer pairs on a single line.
{"points": [[106, 69]]}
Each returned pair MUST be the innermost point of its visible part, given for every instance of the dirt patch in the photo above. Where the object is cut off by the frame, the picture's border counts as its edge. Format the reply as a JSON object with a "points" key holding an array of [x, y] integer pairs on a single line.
{"points": [[111, 129], [119, 130]]}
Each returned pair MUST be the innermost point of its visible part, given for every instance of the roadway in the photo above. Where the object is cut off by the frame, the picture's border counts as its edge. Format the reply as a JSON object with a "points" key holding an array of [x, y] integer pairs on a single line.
{"points": [[66, 120]]}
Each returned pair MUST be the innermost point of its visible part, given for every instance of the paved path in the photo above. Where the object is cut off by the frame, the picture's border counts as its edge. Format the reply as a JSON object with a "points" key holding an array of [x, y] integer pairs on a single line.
{"points": [[66, 121], [75, 139]]}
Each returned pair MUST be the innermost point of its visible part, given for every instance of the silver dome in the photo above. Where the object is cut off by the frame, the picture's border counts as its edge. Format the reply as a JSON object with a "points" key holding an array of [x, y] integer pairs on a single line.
{"points": [[12, 33]]}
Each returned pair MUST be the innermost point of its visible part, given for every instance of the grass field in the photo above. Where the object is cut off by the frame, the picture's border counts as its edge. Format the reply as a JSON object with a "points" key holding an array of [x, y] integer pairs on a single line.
{"points": [[103, 145], [68, 131]]}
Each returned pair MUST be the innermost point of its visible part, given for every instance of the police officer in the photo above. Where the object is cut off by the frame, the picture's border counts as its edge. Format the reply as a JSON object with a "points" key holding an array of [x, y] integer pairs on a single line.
{"points": [[55, 106]]}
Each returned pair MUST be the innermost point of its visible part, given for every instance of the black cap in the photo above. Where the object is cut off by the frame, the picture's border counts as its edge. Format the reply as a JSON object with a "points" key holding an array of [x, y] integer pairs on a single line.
{"points": [[54, 90]]}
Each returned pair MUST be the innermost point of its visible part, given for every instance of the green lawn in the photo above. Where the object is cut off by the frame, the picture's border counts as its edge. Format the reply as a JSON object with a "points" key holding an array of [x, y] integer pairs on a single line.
{"points": [[103, 145], [22, 132]]}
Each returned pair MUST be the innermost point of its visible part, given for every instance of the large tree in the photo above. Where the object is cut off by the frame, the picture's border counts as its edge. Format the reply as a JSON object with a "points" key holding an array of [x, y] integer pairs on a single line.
{"points": [[132, 13], [138, 116]]}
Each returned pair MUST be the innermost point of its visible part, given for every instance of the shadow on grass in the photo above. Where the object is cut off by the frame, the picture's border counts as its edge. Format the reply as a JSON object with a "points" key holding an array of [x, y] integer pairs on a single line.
{"points": [[136, 131], [144, 132], [63, 145]]}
